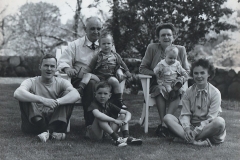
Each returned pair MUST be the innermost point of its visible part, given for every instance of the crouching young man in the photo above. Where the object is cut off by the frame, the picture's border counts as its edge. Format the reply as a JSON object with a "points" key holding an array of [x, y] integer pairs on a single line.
{"points": [[46, 102], [108, 118]]}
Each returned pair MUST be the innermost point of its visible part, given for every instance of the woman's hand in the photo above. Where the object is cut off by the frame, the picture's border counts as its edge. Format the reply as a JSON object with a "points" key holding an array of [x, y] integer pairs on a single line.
{"points": [[189, 135]]}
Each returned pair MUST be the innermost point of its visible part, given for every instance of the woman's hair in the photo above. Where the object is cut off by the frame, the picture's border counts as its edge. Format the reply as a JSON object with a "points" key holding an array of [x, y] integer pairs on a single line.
{"points": [[206, 64], [105, 34], [103, 84], [164, 26]]}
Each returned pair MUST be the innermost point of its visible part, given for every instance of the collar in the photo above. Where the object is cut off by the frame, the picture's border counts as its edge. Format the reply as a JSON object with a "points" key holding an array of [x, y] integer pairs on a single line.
{"points": [[87, 42], [100, 104], [165, 63], [101, 53], [202, 91]]}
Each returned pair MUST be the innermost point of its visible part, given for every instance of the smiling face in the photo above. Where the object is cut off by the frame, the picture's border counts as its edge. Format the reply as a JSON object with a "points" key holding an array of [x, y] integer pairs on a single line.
{"points": [[165, 37], [93, 29], [102, 95], [48, 68], [200, 76], [106, 44]]}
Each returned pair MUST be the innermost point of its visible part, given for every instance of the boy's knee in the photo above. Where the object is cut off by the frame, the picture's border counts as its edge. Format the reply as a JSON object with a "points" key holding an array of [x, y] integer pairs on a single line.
{"points": [[121, 116], [113, 81]]}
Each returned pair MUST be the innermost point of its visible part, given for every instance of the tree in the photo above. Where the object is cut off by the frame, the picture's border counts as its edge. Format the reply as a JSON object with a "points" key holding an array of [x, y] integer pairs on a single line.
{"points": [[134, 21], [2, 32], [35, 29], [77, 17]]}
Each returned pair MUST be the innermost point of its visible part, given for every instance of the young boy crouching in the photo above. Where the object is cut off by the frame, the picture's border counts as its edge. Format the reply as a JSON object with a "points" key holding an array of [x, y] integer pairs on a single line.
{"points": [[108, 118]]}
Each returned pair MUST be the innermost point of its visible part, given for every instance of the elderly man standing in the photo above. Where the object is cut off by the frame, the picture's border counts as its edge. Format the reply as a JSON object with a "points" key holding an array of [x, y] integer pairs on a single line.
{"points": [[46, 102], [76, 60]]}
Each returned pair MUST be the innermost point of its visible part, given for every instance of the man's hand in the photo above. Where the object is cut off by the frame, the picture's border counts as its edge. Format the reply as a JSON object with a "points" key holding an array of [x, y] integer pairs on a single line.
{"points": [[189, 135], [51, 103], [70, 72], [120, 76]]}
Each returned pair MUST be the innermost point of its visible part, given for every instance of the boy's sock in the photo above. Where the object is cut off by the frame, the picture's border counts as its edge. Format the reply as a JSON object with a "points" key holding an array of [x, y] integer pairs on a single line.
{"points": [[81, 88], [114, 136], [125, 133]]}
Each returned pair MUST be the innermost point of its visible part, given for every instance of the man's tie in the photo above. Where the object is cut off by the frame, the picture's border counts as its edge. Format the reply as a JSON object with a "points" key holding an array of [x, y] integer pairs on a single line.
{"points": [[93, 46]]}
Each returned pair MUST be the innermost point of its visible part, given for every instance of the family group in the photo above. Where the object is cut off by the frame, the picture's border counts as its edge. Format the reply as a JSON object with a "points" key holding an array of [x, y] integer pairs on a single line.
{"points": [[96, 70]]}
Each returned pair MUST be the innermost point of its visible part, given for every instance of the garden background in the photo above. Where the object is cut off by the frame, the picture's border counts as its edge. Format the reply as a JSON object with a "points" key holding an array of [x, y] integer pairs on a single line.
{"points": [[32, 28]]}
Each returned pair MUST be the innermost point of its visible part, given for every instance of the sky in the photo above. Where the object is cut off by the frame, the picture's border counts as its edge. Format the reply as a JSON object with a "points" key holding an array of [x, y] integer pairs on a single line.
{"points": [[67, 7]]}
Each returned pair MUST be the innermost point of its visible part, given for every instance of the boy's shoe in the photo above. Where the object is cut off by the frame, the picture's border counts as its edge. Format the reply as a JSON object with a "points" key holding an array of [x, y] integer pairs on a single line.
{"points": [[132, 141], [173, 95], [58, 136], [44, 136], [120, 142], [178, 85]]}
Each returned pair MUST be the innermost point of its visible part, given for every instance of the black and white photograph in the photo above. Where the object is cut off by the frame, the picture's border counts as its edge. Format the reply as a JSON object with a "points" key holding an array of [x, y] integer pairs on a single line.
{"points": [[120, 79]]}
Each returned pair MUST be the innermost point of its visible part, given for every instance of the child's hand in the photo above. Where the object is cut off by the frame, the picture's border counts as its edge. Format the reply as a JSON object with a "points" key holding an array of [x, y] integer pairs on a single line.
{"points": [[119, 122]]}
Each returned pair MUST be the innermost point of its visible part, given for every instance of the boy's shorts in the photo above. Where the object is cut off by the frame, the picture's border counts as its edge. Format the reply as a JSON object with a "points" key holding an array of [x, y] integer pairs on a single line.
{"points": [[91, 134]]}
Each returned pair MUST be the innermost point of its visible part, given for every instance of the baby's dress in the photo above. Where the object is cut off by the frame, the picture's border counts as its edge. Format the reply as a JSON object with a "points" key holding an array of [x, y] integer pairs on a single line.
{"points": [[167, 76]]}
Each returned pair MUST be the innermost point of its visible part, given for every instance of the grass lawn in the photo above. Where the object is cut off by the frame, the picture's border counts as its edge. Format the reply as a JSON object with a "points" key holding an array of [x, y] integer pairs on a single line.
{"points": [[16, 145]]}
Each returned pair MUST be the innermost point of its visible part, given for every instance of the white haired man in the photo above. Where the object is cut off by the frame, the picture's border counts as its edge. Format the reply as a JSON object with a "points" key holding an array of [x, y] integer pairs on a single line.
{"points": [[76, 60]]}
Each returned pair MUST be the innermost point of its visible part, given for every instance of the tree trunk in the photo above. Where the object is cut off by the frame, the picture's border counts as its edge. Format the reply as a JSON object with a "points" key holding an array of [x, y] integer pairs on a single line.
{"points": [[76, 18], [116, 29]]}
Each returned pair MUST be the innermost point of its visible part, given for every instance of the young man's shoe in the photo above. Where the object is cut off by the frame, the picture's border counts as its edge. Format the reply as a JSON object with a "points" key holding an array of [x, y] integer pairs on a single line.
{"points": [[44, 136], [58, 136], [120, 142], [132, 141]]}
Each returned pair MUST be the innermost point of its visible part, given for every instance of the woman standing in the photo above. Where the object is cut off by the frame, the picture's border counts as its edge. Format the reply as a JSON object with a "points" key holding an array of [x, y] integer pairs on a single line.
{"points": [[199, 122], [155, 53]]}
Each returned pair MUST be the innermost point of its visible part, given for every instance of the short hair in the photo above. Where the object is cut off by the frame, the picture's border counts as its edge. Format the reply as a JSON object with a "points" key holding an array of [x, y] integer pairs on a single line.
{"points": [[103, 84], [105, 34], [87, 20], [164, 26], [171, 48], [206, 64], [47, 56]]}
